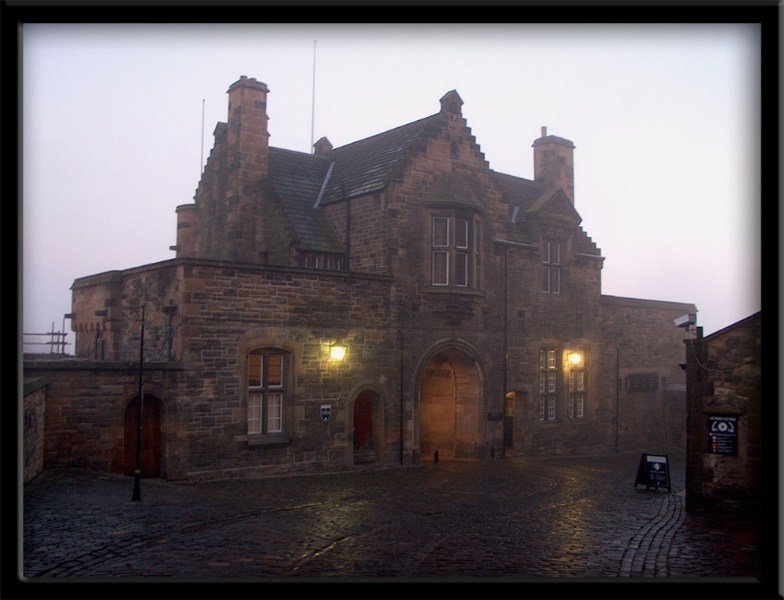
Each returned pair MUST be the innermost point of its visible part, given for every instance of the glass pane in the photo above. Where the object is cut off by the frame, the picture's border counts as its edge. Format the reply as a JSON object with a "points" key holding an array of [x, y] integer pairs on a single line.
{"points": [[551, 359], [555, 253], [254, 370], [440, 268], [551, 377], [441, 232], [254, 413], [461, 270], [275, 370], [580, 405], [550, 408], [274, 413], [461, 233], [542, 388], [555, 280]]}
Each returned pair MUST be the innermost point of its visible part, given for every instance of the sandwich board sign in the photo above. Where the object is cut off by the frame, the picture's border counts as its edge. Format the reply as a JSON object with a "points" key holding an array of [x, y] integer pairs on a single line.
{"points": [[653, 472]]}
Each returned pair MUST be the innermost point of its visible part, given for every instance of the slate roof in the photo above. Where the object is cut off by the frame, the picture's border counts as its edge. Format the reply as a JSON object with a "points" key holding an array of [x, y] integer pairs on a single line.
{"points": [[302, 182], [296, 179], [367, 165], [517, 190], [352, 170]]}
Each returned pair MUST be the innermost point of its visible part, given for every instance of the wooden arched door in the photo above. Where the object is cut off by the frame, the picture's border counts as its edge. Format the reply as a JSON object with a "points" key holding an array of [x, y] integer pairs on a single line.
{"points": [[150, 451]]}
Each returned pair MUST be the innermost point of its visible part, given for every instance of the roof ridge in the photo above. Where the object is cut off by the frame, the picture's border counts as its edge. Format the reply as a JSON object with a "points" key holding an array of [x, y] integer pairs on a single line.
{"points": [[388, 131]]}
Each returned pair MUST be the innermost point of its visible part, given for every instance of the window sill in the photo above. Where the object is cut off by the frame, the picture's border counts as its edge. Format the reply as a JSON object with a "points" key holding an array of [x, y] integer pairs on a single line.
{"points": [[446, 290], [266, 441]]}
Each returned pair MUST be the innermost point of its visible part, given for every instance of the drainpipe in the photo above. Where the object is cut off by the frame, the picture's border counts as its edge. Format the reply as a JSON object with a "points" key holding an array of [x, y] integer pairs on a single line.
{"points": [[506, 351], [400, 341]]}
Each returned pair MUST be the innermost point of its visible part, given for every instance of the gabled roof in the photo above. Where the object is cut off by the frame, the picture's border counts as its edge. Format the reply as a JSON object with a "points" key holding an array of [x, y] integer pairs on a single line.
{"points": [[368, 165], [296, 179], [517, 190], [554, 201]]}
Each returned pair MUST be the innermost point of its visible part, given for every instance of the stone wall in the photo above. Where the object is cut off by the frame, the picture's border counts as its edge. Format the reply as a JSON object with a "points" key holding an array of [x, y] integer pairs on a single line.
{"points": [[724, 446], [33, 430]]}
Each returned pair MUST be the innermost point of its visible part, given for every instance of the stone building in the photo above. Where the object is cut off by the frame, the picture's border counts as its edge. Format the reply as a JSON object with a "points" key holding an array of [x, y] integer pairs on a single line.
{"points": [[468, 304], [724, 446]]}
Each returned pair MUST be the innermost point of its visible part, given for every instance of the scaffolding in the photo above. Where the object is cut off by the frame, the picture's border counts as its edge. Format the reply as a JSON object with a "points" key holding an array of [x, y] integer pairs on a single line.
{"points": [[57, 341]]}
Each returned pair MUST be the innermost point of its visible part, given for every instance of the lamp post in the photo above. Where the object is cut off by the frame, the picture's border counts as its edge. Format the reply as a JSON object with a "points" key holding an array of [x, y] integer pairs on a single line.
{"points": [[618, 342], [137, 493]]}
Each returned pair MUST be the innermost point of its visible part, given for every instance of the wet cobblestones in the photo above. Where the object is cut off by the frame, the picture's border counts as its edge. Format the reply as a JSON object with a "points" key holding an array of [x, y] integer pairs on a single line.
{"points": [[512, 518]]}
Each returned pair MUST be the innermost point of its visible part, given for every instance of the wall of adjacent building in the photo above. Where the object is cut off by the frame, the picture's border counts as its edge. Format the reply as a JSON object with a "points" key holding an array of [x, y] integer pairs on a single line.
{"points": [[724, 380]]}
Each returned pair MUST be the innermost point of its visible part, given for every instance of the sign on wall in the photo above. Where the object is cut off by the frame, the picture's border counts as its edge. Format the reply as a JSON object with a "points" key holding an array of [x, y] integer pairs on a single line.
{"points": [[326, 412], [723, 435]]}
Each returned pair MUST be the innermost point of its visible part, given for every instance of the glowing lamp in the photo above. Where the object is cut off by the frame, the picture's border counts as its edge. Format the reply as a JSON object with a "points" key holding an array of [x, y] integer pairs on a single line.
{"points": [[337, 351], [575, 358]]}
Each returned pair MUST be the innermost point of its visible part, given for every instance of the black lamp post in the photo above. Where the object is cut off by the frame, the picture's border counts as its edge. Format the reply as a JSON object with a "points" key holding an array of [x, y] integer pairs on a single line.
{"points": [[618, 342], [137, 493]]}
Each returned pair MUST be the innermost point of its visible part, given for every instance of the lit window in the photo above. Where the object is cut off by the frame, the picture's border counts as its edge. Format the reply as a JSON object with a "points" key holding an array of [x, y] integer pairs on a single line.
{"points": [[577, 389], [266, 391], [549, 375]]}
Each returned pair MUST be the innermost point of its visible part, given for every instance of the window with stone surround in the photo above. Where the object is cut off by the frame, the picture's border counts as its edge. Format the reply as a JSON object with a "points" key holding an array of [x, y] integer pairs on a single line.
{"points": [[267, 371], [577, 389], [549, 376], [454, 256], [551, 267]]}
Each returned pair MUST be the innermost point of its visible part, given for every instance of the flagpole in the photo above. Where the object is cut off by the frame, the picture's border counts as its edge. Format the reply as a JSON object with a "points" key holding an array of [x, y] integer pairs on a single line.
{"points": [[313, 101]]}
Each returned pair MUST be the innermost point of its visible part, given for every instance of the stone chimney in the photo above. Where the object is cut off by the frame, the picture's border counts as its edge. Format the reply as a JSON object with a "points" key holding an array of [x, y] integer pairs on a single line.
{"points": [[248, 138], [554, 163], [451, 103], [247, 162], [322, 147], [187, 231]]}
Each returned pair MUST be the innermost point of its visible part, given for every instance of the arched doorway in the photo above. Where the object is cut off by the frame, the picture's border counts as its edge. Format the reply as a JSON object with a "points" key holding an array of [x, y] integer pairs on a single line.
{"points": [[150, 454], [450, 406], [366, 426]]}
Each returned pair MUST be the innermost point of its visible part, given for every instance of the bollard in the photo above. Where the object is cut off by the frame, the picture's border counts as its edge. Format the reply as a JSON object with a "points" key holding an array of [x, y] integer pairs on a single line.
{"points": [[492, 452], [435, 457]]}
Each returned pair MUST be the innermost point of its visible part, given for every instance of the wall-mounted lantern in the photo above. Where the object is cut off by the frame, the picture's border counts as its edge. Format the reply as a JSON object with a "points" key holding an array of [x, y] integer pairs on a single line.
{"points": [[337, 350], [575, 359]]}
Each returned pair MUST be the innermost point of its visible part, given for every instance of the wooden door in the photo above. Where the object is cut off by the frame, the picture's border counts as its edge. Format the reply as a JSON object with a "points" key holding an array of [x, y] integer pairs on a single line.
{"points": [[150, 454]]}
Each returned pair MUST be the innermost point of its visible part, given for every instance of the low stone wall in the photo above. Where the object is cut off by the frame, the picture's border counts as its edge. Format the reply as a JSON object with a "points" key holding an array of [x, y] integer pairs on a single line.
{"points": [[33, 432]]}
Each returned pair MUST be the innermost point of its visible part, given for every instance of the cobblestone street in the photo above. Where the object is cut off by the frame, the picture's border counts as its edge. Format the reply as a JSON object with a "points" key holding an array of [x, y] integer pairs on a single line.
{"points": [[509, 518]]}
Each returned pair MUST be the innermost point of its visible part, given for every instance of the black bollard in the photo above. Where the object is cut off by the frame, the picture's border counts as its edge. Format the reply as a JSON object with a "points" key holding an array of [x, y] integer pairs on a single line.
{"points": [[492, 452], [435, 457]]}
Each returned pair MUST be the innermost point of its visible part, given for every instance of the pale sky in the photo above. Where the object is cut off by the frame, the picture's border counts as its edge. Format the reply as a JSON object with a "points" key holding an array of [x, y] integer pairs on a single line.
{"points": [[665, 120]]}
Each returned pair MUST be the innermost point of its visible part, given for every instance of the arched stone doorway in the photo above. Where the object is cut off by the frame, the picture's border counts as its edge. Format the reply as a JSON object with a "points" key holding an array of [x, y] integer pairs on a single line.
{"points": [[150, 453], [367, 426], [450, 406]]}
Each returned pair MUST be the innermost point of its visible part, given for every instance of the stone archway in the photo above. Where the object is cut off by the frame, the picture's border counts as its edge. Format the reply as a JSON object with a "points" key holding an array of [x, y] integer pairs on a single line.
{"points": [[450, 406], [150, 450]]}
